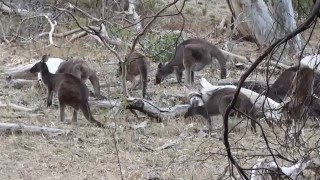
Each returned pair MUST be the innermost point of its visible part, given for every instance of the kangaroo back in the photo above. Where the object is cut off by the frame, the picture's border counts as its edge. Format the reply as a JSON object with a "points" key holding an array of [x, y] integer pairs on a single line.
{"points": [[137, 66], [192, 55], [81, 69], [281, 86]]}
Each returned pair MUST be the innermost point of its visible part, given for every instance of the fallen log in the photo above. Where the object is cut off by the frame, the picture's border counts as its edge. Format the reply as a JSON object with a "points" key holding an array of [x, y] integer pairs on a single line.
{"points": [[254, 85], [20, 72], [153, 111], [144, 106], [19, 83], [10, 128], [16, 107]]}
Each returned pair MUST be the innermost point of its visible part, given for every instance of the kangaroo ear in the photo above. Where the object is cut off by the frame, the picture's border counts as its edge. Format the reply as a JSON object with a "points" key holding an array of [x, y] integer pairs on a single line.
{"points": [[160, 65], [45, 58]]}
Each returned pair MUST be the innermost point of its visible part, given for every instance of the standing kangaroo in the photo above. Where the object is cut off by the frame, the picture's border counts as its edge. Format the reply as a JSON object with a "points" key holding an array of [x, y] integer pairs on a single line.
{"points": [[78, 68], [137, 70], [81, 69], [218, 103], [192, 55], [70, 89]]}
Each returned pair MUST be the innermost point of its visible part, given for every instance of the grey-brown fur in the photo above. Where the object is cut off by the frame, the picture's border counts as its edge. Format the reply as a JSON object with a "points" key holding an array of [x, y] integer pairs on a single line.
{"points": [[302, 93], [71, 91], [280, 88], [137, 68], [218, 103], [81, 69], [197, 54]]}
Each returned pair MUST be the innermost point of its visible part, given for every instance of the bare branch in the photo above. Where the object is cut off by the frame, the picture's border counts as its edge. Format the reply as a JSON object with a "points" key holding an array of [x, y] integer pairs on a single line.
{"points": [[83, 12], [135, 41], [52, 29], [10, 128]]}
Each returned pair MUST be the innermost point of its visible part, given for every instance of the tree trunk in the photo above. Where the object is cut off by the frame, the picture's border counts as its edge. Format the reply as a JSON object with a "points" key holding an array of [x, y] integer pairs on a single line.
{"points": [[253, 19], [282, 12]]}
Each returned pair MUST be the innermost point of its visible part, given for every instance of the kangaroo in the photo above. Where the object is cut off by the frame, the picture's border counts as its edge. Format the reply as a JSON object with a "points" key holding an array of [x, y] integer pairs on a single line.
{"points": [[192, 55], [281, 86], [81, 69], [71, 91], [218, 103], [137, 69], [77, 68]]}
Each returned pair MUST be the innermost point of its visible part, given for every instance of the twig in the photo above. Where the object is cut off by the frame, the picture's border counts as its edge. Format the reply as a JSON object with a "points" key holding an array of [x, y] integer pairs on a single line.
{"points": [[115, 139], [52, 29]]}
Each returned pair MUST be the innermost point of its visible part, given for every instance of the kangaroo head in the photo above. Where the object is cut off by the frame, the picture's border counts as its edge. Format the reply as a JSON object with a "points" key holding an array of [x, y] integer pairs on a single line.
{"points": [[159, 74], [36, 68], [191, 110], [39, 65]]}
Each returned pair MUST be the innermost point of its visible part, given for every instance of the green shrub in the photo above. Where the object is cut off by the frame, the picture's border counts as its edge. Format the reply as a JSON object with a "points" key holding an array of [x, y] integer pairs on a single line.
{"points": [[161, 47], [119, 32], [303, 8], [150, 6]]}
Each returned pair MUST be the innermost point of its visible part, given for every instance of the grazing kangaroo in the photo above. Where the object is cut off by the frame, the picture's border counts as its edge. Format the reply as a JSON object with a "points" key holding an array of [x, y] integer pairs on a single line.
{"points": [[71, 91], [137, 69], [218, 103], [192, 55]]}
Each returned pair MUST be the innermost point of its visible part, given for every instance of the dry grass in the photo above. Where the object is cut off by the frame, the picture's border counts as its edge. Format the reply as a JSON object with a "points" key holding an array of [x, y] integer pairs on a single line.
{"points": [[87, 152]]}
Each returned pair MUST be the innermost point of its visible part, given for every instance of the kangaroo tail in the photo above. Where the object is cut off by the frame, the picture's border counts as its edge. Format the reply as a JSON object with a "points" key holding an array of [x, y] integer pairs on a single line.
{"points": [[85, 108], [217, 53], [95, 83]]}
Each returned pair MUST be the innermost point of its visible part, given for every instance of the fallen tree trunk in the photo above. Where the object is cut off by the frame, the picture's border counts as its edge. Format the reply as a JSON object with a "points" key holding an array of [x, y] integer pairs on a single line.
{"points": [[254, 85], [10, 128], [20, 72], [145, 107], [19, 83], [16, 107]]}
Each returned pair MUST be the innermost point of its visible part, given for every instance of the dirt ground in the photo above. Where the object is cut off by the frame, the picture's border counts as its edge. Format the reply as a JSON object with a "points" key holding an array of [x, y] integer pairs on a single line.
{"points": [[88, 152]]}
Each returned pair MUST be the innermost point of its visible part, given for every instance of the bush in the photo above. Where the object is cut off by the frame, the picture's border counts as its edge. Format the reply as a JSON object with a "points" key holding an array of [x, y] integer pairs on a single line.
{"points": [[161, 47], [124, 34], [303, 8]]}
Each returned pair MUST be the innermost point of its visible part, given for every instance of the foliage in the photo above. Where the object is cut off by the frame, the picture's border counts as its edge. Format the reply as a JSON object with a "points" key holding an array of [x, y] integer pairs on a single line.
{"points": [[118, 31], [303, 7], [150, 6], [161, 47]]}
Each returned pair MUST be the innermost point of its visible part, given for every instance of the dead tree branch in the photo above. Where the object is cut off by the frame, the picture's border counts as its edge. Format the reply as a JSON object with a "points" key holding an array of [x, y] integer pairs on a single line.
{"points": [[144, 106], [52, 29], [16, 107], [21, 71], [135, 41], [10, 128]]}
